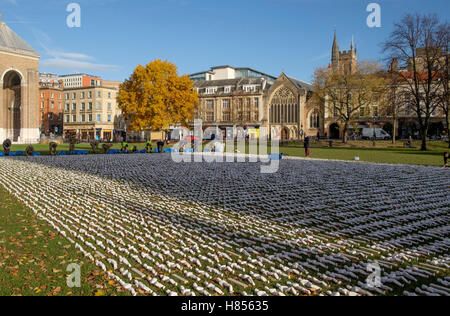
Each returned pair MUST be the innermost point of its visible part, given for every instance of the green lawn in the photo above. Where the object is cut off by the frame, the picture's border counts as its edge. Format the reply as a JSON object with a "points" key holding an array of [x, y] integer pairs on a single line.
{"points": [[385, 152], [34, 260], [44, 149], [432, 157]]}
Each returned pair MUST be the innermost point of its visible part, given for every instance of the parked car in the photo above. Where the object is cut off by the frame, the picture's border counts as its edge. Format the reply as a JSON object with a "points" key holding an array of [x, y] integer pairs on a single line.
{"points": [[381, 134]]}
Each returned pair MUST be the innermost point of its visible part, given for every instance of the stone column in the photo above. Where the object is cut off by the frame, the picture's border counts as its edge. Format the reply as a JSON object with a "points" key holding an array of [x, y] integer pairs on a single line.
{"points": [[2, 114]]}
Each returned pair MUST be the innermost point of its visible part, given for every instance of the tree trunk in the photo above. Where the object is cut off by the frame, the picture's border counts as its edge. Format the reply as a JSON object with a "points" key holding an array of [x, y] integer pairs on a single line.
{"points": [[424, 134], [344, 135], [448, 131], [394, 131]]}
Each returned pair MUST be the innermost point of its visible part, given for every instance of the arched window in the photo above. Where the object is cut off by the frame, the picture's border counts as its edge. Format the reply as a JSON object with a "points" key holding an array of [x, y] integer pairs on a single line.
{"points": [[283, 104], [314, 120]]}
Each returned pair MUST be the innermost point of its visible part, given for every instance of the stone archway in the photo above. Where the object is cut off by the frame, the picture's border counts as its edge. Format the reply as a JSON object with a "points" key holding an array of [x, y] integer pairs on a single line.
{"points": [[285, 134], [12, 100], [334, 131]]}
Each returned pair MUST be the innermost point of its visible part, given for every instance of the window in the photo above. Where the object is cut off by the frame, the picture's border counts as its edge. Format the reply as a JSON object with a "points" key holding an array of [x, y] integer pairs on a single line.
{"points": [[42, 104], [67, 107], [42, 95], [74, 107], [210, 104], [52, 104], [83, 106], [99, 106], [226, 104], [60, 96], [83, 118], [74, 95], [249, 102], [90, 106], [42, 116], [227, 90], [257, 102], [99, 94], [83, 94], [90, 94], [362, 111], [90, 117], [109, 106], [109, 117], [67, 118], [211, 90], [226, 116], [249, 88], [375, 111], [314, 120], [60, 106], [99, 118], [74, 118], [109, 95], [52, 95], [210, 116], [67, 96]]}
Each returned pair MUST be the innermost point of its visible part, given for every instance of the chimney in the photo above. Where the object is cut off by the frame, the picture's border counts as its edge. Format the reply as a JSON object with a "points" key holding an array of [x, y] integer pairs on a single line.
{"points": [[394, 65]]}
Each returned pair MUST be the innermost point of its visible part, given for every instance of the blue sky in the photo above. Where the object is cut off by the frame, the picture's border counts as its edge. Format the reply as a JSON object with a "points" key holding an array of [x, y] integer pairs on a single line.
{"points": [[269, 35]]}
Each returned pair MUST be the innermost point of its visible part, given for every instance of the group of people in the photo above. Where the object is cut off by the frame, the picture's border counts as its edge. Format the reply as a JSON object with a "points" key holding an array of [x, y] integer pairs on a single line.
{"points": [[126, 148]]}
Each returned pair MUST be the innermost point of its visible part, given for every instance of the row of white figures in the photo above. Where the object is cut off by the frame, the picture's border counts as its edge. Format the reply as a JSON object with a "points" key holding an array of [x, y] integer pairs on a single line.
{"points": [[161, 228]]}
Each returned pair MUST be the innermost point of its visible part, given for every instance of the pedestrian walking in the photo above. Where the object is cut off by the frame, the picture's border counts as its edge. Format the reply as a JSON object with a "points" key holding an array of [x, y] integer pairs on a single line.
{"points": [[307, 146]]}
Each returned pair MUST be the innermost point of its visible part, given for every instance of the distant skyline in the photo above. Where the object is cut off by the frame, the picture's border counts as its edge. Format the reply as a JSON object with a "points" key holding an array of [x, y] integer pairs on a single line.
{"points": [[116, 35]]}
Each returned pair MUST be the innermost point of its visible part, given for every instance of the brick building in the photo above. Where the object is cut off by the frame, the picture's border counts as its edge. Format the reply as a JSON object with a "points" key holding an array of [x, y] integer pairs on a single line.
{"points": [[51, 105]]}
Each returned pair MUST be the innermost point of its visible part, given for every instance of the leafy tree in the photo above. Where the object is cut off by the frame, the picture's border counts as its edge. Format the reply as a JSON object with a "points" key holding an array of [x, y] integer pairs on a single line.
{"points": [[155, 97], [344, 95]]}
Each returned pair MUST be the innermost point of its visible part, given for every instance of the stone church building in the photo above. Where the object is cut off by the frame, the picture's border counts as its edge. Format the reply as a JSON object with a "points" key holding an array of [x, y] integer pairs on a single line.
{"points": [[19, 80], [247, 99]]}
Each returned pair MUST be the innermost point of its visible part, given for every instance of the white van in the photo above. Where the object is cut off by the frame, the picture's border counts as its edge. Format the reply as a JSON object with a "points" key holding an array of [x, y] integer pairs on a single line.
{"points": [[368, 133]]}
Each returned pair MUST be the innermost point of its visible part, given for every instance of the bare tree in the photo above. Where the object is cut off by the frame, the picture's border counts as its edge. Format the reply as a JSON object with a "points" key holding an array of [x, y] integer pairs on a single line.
{"points": [[416, 43], [394, 101], [344, 94], [444, 91]]}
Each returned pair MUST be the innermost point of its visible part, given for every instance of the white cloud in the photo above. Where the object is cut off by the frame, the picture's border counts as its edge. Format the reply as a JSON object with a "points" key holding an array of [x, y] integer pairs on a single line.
{"points": [[9, 1], [76, 65], [56, 58], [321, 57]]}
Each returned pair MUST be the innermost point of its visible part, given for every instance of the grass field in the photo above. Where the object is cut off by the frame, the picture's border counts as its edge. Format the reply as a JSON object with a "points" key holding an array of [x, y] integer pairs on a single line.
{"points": [[384, 152], [33, 259]]}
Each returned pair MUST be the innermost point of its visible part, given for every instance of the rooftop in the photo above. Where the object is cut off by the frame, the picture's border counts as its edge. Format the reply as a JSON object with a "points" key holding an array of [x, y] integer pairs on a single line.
{"points": [[11, 42]]}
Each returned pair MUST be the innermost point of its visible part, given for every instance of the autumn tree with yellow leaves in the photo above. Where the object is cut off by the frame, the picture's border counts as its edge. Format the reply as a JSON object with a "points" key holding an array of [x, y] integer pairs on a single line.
{"points": [[155, 97]]}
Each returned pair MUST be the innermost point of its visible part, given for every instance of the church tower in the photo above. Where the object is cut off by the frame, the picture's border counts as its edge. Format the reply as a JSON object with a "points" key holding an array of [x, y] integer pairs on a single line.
{"points": [[335, 54], [344, 61]]}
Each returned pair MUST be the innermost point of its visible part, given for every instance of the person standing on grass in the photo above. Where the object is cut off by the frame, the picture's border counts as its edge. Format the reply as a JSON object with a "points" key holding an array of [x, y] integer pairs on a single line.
{"points": [[446, 160], [160, 146], [307, 146]]}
